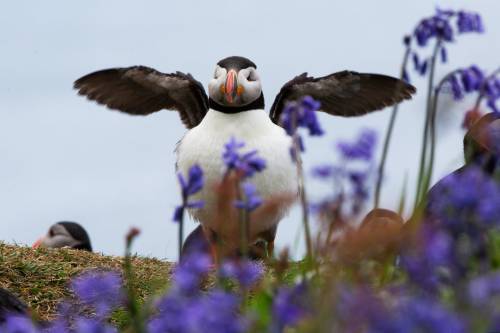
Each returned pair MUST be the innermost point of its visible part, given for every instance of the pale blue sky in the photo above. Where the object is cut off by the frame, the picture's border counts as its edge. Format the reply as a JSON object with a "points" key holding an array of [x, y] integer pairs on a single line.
{"points": [[64, 158]]}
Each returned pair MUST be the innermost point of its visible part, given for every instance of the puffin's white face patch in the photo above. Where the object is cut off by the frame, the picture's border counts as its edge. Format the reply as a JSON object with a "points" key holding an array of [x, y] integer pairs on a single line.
{"points": [[249, 86], [58, 237], [252, 87], [214, 85]]}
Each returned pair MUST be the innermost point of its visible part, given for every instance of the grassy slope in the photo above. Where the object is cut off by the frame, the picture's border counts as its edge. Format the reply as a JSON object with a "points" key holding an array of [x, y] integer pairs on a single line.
{"points": [[40, 277]]}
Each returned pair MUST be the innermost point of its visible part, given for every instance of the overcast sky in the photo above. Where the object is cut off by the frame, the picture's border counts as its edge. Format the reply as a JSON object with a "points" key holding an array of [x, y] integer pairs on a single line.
{"points": [[64, 158]]}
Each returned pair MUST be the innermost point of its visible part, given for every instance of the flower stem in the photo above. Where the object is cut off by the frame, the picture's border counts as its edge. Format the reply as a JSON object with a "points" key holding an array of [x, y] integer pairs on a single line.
{"points": [[181, 230], [132, 303], [423, 154], [303, 196], [388, 137], [433, 139], [244, 218]]}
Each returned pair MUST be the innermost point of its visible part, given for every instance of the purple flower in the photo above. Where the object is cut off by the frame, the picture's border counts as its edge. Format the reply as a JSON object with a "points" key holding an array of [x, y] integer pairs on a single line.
{"points": [[86, 325], [190, 271], [213, 312], [484, 288], [251, 199], [245, 271], [248, 163], [194, 183], [492, 92], [217, 312], [101, 290], [443, 26], [420, 314], [428, 264], [192, 186], [469, 22], [290, 306], [323, 171], [362, 149], [301, 114], [18, 324], [444, 54]]}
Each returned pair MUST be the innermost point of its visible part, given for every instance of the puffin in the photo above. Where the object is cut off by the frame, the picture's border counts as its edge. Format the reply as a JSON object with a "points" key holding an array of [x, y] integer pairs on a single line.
{"points": [[234, 108], [65, 234]]}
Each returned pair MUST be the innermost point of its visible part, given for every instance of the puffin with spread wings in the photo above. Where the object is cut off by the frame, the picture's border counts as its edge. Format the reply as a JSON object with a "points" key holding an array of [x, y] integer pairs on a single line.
{"points": [[234, 108]]}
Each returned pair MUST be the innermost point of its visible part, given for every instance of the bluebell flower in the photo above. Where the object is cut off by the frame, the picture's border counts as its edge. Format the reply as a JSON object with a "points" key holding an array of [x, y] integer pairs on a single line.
{"points": [[443, 26], [86, 325], [246, 272], [251, 199], [469, 22], [18, 324], [194, 183], [190, 271], [484, 288], [301, 114], [217, 312], [362, 149], [429, 262], [191, 186], [444, 54], [422, 314], [492, 93], [212, 312], [101, 290], [247, 164], [440, 25], [324, 171], [464, 81], [290, 306]]}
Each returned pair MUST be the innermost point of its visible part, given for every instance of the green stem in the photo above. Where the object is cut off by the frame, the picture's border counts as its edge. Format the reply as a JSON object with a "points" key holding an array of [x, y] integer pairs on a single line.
{"points": [[181, 230], [388, 137], [433, 138], [303, 196], [423, 154], [132, 300]]}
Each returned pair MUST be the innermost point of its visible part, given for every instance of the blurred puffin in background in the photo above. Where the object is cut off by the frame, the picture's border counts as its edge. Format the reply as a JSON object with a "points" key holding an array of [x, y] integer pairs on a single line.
{"points": [[65, 234], [234, 108]]}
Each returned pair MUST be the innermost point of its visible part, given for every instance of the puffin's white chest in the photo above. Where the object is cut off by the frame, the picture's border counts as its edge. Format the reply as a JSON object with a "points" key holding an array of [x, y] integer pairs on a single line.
{"points": [[204, 145]]}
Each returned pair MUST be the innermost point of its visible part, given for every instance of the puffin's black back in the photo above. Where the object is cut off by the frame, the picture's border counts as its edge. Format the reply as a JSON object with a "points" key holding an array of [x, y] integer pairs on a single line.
{"points": [[10, 304], [78, 232]]}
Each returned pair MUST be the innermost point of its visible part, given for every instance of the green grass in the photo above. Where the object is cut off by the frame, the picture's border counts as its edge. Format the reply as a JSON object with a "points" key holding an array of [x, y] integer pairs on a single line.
{"points": [[41, 277]]}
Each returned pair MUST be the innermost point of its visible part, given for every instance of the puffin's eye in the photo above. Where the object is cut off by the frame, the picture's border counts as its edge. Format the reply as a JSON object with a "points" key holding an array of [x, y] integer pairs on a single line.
{"points": [[252, 76], [51, 232]]}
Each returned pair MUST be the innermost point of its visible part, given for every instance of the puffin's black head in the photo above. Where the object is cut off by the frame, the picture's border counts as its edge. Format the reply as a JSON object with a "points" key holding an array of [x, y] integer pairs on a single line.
{"points": [[65, 234], [235, 86]]}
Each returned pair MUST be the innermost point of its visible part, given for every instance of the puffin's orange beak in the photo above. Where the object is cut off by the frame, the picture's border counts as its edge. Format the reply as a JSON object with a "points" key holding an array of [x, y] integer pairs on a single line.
{"points": [[37, 244], [231, 86]]}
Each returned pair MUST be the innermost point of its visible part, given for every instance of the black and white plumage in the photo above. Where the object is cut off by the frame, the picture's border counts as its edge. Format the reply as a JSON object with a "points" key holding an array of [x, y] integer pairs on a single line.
{"points": [[65, 234], [235, 108]]}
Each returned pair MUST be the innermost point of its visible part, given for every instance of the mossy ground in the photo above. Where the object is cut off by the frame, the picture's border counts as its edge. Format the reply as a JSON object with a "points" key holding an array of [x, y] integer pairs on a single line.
{"points": [[41, 277]]}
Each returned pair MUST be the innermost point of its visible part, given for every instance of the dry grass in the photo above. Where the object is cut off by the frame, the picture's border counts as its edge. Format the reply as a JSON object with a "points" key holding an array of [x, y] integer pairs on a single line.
{"points": [[40, 277]]}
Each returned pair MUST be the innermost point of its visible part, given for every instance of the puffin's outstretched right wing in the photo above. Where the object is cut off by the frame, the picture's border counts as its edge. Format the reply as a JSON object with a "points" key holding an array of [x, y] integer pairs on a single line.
{"points": [[345, 93], [141, 90]]}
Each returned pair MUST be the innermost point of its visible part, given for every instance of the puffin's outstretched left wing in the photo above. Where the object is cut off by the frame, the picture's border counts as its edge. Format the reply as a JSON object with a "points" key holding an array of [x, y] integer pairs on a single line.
{"points": [[141, 90], [344, 93]]}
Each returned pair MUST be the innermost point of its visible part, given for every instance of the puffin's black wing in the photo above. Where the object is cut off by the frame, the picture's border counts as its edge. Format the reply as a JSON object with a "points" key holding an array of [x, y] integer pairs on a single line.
{"points": [[344, 93], [141, 90]]}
